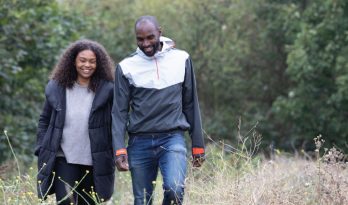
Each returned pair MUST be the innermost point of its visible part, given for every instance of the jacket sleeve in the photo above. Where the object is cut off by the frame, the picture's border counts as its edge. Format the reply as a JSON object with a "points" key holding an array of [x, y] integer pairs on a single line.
{"points": [[120, 111], [43, 124], [191, 109]]}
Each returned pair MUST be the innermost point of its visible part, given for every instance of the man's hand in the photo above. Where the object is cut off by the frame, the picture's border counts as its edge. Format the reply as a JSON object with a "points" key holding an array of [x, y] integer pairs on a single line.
{"points": [[122, 162], [197, 160]]}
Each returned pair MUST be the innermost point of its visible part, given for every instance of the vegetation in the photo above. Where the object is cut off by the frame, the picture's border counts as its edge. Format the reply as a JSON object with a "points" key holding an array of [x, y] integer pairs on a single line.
{"points": [[230, 175], [33, 33], [281, 64]]}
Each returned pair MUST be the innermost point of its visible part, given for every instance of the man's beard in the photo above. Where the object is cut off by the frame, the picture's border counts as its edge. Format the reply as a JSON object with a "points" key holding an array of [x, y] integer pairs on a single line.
{"points": [[155, 48]]}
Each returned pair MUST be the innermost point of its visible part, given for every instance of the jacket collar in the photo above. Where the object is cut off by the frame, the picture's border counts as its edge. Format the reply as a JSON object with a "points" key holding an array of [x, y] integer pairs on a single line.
{"points": [[57, 95]]}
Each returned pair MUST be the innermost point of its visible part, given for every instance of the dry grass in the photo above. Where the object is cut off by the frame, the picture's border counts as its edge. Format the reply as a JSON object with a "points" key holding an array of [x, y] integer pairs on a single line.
{"points": [[239, 177], [283, 180], [230, 175]]}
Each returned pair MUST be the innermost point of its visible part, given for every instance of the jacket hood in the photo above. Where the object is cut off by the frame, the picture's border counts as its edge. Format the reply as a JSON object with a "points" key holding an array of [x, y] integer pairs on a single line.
{"points": [[167, 44]]}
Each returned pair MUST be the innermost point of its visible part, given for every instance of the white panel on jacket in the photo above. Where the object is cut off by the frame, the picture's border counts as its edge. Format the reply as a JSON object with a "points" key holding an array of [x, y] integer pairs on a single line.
{"points": [[142, 72]]}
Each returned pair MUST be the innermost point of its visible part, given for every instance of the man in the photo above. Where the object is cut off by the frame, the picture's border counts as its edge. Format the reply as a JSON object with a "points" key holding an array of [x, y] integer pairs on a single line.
{"points": [[155, 101]]}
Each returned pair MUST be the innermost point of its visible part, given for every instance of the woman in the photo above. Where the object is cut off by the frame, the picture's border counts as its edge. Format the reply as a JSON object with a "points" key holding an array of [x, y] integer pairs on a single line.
{"points": [[74, 146]]}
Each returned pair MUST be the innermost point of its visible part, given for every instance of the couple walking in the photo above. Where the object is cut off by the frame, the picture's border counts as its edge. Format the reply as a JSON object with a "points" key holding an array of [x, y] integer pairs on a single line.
{"points": [[87, 113]]}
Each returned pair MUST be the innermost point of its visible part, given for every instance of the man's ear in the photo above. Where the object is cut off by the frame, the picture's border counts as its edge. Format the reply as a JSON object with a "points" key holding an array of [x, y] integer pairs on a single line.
{"points": [[160, 30]]}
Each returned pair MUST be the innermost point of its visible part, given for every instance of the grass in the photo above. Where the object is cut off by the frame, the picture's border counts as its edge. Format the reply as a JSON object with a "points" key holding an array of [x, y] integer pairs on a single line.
{"points": [[230, 175]]}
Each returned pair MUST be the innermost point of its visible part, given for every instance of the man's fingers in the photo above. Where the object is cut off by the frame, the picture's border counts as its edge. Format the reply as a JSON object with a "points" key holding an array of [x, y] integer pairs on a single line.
{"points": [[122, 167], [122, 163], [197, 161], [197, 164]]}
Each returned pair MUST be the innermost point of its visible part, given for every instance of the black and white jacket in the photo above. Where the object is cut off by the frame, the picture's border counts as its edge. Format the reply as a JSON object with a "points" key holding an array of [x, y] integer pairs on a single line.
{"points": [[156, 95]]}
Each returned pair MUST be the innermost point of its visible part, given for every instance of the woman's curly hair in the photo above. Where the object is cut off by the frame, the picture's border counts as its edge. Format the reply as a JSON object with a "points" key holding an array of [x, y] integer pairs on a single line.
{"points": [[65, 71]]}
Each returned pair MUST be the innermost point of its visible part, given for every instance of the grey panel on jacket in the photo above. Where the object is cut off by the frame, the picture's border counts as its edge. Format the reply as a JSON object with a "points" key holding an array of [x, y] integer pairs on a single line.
{"points": [[156, 110]]}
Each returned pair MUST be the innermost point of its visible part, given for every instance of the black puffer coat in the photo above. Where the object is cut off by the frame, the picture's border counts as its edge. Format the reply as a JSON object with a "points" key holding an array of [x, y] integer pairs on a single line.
{"points": [[50, 131]]}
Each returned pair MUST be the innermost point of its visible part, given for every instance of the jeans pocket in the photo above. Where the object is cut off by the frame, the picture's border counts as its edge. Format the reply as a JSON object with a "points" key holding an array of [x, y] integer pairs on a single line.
{"points": [[176, 145], [177, 148]]}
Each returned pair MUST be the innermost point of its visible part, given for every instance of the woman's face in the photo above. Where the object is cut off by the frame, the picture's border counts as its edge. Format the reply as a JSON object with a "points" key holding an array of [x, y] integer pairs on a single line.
{"points": [[86, 63]]}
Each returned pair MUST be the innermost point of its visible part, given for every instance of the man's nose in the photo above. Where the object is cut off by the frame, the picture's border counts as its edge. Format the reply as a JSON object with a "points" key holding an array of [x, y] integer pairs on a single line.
{"points": [[146, 43]]}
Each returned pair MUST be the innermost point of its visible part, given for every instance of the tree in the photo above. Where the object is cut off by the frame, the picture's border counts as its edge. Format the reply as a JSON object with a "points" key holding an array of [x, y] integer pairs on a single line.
{"points": [[318, 67], [33, 33]]}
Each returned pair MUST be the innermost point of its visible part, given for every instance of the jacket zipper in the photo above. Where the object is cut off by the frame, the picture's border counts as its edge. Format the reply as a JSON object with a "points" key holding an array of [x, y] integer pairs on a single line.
{"points": [[156, 67]]}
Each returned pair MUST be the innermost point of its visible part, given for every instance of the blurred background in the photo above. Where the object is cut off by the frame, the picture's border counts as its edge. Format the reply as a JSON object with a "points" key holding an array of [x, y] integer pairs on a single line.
{"points": [[278, 65]]}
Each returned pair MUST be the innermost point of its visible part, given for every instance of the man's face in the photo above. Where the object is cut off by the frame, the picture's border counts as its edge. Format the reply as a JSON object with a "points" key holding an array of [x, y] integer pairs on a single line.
{"points": [[148, 38]]}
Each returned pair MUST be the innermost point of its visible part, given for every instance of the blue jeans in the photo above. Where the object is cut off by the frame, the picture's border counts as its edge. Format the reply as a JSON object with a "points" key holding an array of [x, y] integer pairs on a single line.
{"points": [[147, 153]]}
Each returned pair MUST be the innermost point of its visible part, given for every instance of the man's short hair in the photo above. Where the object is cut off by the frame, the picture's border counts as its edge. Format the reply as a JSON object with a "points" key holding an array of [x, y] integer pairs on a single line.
{"points": [[147, 19]]}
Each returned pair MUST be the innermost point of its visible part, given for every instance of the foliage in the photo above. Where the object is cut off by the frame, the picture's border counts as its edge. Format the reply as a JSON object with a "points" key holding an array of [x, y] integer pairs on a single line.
{"points": [[233, 55], [32, 32], [317, 101], [111, 24], [279, 64]]}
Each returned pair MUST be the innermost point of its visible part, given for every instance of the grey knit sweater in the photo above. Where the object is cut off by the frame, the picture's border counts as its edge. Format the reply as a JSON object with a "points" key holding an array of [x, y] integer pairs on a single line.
{"points": [[75, 141]]}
